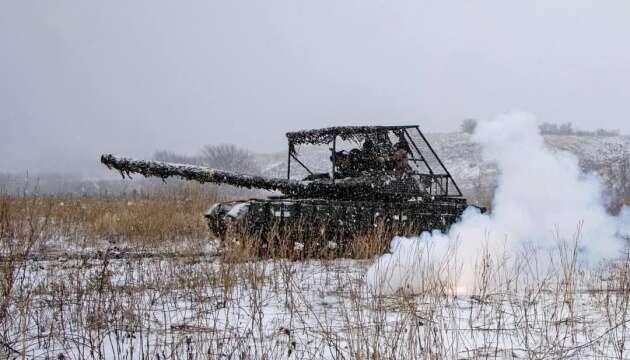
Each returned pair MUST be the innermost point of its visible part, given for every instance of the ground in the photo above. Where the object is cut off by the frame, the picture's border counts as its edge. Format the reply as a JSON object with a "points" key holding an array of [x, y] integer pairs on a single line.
{"points": [[120, 305], [128, 278]]}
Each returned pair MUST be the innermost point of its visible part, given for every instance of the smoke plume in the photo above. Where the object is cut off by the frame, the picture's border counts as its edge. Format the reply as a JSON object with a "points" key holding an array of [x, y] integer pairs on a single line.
{"points": [[542, 197]]}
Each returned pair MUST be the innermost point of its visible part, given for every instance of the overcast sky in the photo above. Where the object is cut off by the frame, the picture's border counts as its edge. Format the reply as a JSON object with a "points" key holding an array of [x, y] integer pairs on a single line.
{"points": [[78, 78]]}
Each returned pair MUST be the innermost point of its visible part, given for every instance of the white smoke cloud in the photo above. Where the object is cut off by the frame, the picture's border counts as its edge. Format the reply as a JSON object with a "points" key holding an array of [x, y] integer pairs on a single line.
{"points": [[542, 197]]}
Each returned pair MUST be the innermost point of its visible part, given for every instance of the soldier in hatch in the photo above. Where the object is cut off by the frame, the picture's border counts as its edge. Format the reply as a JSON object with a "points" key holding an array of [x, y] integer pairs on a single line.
{"points": [[399, 158], [368, 158]]}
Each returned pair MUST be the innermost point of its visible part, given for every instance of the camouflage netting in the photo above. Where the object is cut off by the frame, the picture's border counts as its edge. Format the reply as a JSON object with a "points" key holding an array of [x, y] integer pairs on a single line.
{"points": [[201, 174], [349, 133]]}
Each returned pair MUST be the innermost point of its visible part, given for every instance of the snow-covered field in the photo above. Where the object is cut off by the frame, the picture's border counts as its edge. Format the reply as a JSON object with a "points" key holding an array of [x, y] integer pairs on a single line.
{"points": [[211, 307]]}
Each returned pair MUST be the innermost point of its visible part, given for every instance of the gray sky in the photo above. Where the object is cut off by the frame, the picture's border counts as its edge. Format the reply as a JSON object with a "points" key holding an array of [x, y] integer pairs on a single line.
{"points": [[78, 78]]}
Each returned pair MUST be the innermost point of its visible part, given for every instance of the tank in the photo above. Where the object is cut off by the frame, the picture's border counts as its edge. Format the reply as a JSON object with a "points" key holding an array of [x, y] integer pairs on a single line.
{"points": [[386, 175]]}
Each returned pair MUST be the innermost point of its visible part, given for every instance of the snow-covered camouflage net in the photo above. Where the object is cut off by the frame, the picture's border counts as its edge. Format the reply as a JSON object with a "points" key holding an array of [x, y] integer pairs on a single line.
{"points": [[201, 174], [347, 133]]}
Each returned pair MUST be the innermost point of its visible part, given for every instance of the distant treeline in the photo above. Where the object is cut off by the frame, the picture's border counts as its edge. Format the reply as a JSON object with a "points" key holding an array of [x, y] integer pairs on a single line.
{"points": [[468, 126], [62, 184], [224, 157], [567, 129], [68, 184]]}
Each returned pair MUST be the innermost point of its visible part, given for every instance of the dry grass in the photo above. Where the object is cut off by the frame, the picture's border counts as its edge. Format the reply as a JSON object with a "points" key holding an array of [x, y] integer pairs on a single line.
{"points": [[375, 242], [293, 243], [147, 219], [236, 306]]}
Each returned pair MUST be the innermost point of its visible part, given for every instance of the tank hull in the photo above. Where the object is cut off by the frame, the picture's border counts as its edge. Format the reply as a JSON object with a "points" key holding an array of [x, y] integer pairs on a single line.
{"points": [[313, 220]]}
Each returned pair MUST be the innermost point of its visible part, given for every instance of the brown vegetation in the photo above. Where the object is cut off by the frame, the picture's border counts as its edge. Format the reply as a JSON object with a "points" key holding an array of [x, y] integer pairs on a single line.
{"points": [[146, 219], [234, 306]]}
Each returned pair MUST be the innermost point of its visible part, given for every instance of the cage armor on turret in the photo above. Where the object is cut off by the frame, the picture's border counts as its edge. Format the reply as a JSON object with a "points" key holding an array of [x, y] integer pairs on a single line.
{"points": [[392, 176]]}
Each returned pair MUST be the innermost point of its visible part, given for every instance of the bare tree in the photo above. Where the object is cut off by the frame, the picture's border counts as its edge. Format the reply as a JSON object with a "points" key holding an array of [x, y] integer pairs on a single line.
{"points": [[618, 181], [168, 156], [229, 157], [468, 126]]}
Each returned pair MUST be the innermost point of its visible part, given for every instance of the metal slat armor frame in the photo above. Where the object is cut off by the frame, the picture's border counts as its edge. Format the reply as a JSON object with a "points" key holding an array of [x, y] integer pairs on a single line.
{"points": [[436, 176]]}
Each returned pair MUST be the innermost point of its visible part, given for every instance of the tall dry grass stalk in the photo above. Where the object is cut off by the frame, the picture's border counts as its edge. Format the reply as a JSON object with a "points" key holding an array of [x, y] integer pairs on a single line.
{"points": [[282, 300], [141, 220]]}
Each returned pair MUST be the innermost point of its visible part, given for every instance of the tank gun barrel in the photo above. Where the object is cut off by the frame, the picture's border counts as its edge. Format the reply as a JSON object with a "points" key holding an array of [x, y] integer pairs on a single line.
{"points": [[347, 189], [201, 174]]}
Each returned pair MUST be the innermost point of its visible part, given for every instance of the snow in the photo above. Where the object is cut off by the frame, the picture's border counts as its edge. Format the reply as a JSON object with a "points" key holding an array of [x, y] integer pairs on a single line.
{"points": [[238, 210], [310, 309]]}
